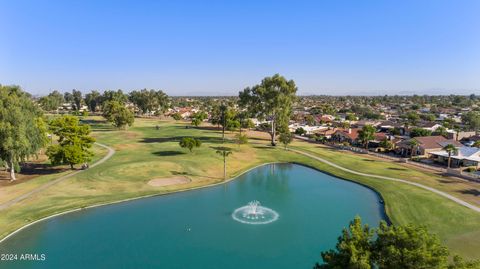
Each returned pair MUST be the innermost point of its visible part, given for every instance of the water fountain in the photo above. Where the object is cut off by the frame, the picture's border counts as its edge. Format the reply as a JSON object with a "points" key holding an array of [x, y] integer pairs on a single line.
{"points": [[254, 213]]}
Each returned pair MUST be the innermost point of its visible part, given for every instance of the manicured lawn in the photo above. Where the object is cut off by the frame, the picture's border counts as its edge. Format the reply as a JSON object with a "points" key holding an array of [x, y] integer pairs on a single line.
{"points": [[144, 153], [8, 192], [463, 189]]}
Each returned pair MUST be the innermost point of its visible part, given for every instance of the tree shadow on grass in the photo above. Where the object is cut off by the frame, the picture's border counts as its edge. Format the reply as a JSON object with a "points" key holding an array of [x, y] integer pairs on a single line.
{"points": [[368, 160], [397, 169], [264, 147], [222, 148], [473, 192], [40, 169], [445, 181], [168, 153], [208, 139], [177, 173]]}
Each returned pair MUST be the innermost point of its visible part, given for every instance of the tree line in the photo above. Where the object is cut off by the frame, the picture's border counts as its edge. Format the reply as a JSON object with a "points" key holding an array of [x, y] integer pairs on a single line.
{"points": [[113, 104], [24, 131]]}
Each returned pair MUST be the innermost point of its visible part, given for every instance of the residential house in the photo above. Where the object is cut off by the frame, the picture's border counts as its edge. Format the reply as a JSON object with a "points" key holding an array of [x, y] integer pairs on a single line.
{"points": [[465, 156], [327, 133], [430, 126], [349, 135], [426, 144]]}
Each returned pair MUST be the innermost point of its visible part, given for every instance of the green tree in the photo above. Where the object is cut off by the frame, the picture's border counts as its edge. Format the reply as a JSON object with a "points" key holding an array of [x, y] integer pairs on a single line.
{"points": [[386, 144], [241, 139], [428, 117], [413, 144], [286, 138], [224, 117], [477, 144], [233, 124], [117, 95], [224, 152], [92, 100], [353, 250], [273, 100], [350, 117], [300, 131], [77, 99], [412, 118], [451, 150], [441, 131], [116, 113], [177, 116], [394, 131], [215, 115], [366, 134], [390, 247], [68, 97], [198, 118], [52, 101], [416, 132], [408, 247], [248, 124], [472, 120], [74, 142], [149, 101], [190, 143], [310, 120], [22, 129], [196, 122]]}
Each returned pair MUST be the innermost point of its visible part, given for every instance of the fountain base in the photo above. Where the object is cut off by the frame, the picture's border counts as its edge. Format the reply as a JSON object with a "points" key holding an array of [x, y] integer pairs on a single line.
{"points": [[254, 213]]}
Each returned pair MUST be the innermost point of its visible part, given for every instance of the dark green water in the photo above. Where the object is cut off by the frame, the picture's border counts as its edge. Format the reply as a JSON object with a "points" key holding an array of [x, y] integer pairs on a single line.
{"points": [[195, 229]]}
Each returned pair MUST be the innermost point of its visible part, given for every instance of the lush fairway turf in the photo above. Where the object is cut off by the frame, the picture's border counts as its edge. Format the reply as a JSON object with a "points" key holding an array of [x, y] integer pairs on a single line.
{"points": [[145, 153]]}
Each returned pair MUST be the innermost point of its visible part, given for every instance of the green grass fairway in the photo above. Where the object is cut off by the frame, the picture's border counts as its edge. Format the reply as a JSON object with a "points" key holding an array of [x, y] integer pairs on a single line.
{"points": [[144, 153]]}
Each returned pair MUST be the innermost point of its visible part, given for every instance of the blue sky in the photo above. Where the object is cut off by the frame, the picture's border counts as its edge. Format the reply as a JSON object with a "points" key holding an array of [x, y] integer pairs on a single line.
{"points": [[220, 47]]}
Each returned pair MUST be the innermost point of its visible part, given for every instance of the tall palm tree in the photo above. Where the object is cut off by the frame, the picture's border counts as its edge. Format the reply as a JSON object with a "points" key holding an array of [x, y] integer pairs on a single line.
{"points": [[450, 149], [413, 144], [366, 134], [223, 119], [224, 152]]}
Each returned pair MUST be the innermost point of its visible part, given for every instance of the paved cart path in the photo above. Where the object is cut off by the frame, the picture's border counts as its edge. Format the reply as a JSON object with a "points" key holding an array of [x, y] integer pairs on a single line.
{"points": [[22, 197]]}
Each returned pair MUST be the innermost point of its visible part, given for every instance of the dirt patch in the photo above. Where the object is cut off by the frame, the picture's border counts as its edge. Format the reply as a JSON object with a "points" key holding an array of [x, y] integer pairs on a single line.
{"points": [[161, 182]]}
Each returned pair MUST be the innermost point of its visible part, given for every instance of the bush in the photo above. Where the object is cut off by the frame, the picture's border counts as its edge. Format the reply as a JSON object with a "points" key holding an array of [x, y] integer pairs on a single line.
{"points": [[300, 131], [471, 169]]}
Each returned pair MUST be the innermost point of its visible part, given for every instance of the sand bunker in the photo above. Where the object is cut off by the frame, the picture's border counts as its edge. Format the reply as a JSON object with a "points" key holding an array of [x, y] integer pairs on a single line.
{"points": [[160, 182]]}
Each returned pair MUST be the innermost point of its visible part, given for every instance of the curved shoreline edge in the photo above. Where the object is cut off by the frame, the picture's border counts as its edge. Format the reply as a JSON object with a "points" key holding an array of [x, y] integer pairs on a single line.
{"points": [[131, 199], [441, 193], [385, 215], [382, 201]]}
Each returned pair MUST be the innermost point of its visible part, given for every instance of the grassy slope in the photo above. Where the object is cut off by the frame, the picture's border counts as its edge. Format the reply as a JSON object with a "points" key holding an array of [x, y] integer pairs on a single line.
{"points": [[144, 153], [10, 192]]}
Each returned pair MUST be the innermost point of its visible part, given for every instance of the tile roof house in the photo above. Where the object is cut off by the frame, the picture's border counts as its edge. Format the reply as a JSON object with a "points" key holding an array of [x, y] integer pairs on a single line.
{"points": [[349, 135], [426, 144], [327, 133]]}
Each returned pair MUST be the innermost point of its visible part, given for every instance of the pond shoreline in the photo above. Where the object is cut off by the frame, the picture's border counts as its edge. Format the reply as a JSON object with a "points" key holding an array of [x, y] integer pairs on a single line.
{"points": [[384, 212]]}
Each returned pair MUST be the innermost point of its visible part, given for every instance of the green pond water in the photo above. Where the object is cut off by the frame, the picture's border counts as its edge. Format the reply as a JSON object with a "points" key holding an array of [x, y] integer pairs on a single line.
{"points": [[195, 229]]}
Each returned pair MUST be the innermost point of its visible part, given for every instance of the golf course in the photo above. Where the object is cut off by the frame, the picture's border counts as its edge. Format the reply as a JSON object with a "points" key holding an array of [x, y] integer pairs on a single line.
{"points": [[148, 161]]}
